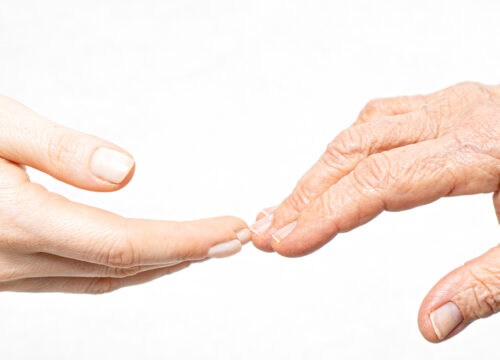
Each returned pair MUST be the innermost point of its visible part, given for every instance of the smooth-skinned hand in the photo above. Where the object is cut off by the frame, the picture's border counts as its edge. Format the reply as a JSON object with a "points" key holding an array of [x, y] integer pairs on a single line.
{"points": [[49, 243], [401, 153]]}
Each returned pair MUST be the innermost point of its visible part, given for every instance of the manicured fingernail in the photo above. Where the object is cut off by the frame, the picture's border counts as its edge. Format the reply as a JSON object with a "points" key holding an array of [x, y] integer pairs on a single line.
{"points": [[284, 232], [445, 319], [111, 165], [244, 236], [260, 226], [268, 211], [225, 249]]}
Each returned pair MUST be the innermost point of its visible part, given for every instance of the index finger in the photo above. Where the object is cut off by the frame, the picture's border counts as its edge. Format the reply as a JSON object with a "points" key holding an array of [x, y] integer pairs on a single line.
{"points": [[396, 180], [53, 224]]}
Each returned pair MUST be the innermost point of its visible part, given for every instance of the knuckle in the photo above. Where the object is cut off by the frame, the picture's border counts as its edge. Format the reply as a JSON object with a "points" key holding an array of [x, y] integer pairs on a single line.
{"points": [[101, 286], [121, 253], [461, 96], [60, 149], [298, 199], [123, 272], [371, 108], [348, 142], [469, 86], [483, 294], [374, 172], [374, 106]]}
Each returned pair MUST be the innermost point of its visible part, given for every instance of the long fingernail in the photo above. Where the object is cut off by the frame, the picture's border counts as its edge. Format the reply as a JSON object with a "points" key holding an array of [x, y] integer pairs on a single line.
{"points": [[225, 249], [111, 165], [445, 318], [244, 236], [282, 233], [268, 211], [260, 226]]}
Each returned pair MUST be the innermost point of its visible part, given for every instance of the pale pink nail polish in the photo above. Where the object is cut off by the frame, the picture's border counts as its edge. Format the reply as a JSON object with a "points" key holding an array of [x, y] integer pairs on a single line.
{"points": [[445, 318], [282, 233], [244, 236], [111, 165], [224, 249]]}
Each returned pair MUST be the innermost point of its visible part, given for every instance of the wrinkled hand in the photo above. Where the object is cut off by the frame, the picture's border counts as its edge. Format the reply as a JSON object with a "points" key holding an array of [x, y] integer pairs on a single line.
{"points": [[48, 243], [401, 153]]}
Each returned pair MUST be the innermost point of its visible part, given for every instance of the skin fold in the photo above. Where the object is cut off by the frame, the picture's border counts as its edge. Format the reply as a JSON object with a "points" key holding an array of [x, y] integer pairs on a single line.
{"points": [[49, 243], [401, 153]]}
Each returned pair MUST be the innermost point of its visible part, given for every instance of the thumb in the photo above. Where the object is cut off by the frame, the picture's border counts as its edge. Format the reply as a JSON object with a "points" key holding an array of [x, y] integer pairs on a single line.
{"points": [[466, 294], [76, 158]]}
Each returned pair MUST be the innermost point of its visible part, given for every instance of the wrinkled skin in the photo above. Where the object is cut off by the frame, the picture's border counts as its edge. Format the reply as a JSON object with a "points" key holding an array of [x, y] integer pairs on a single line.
{"points": [[401, 153], [48, 243]]}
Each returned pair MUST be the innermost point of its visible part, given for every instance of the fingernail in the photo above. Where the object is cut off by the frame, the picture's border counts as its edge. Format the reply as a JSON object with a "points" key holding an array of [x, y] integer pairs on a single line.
{"points": [[111, 165], [244, 236], [284, 232], [445, 319], [268, 211], [260, 226], [225, 249]]}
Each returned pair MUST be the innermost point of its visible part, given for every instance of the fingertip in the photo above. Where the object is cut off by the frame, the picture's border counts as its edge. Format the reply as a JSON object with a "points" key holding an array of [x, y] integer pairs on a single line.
{"points": [[430, 316], [261, 243], [425, 324], [111, 167], [430, 322], [301, 238], [125, 181]]}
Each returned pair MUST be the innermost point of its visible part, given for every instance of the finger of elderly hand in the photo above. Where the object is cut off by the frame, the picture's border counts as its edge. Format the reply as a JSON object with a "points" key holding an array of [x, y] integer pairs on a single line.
{"points": [[395, 180], [79, 159], [379, 108], [52, 224], [466, 294], [449, 100], [92, 285], [347, 150]]}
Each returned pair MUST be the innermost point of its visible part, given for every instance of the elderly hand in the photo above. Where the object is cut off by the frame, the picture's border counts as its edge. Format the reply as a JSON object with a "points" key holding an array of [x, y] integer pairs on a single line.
{"points": [[401, 153], [48, 243]]}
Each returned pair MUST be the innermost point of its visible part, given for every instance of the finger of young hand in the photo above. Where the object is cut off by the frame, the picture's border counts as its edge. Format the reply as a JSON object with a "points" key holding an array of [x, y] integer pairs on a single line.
{"points": [[76, 158], [96, 285], [50, 223]]}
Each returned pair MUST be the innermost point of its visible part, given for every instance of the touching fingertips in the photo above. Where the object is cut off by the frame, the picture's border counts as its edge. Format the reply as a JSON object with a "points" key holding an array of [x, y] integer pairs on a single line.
{"points": [[244, 236], [282, 233], [111, 165], [225, 249], [445, 318], [262, 225]]}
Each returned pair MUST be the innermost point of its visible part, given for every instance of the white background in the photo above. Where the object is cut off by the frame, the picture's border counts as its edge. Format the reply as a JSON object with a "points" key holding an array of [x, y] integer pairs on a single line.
{"points": [[224, 104]]}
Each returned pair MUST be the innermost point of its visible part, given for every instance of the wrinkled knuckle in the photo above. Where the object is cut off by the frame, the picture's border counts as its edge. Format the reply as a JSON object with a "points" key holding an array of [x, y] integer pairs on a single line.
{"points": [[486, 300], [348, 142], [482, 297], [374, 172], [121, 253], [101, 286], [298, 199], [469, 86], [373, 106], [466, 93]]}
